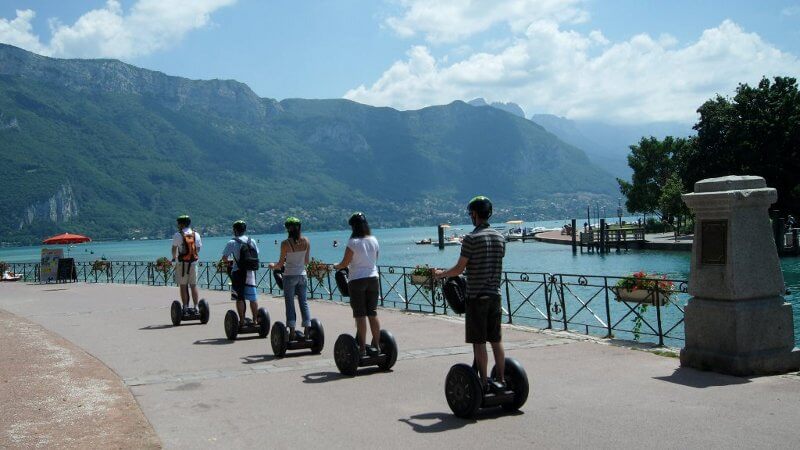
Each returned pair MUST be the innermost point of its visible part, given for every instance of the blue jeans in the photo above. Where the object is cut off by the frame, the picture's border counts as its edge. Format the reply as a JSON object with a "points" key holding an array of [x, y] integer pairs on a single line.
{"points": [[295, 285]]}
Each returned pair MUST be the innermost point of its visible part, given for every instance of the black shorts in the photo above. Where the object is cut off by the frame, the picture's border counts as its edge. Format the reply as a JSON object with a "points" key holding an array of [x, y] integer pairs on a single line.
{"points": [[364, 294], [483, 317], [238, 280]]}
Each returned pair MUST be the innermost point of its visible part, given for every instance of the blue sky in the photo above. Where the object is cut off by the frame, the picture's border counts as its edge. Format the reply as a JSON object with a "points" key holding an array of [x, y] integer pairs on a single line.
{"points": [[622, 60]]}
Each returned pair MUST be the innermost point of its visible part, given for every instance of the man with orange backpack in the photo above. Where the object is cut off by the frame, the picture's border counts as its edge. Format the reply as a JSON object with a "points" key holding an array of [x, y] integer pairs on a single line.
{"points": [[186, 246]]}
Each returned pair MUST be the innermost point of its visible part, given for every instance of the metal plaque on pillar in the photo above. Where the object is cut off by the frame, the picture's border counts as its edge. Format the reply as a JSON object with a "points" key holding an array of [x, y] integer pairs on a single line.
{"points": [[714, 242]]}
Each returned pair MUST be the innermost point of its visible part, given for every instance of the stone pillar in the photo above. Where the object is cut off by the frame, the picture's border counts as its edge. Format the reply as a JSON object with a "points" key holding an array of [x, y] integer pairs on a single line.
{"points": [[737, 321]]}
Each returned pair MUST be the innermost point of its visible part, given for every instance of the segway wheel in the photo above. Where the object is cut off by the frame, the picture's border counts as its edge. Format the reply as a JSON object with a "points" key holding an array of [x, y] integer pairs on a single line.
{"points": [[176, 313], [231, 325], [317, 335], [462, 388], [517, 381], [389, 347], [279, 339], [263, 323], [205, 312], [345, 353]]}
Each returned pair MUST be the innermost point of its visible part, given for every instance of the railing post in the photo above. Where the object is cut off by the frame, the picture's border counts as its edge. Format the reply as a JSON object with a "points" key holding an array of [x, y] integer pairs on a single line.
{"points": [[330, 287], [608, 309], [433, 293], [658, 317], [405, 288], [508, 297], [562, 301], [380, 284], [547, 298]]}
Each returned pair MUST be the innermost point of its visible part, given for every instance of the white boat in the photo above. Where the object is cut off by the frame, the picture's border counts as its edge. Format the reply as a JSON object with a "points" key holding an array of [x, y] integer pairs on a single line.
{"points": [[514, 230], [453, 240]]}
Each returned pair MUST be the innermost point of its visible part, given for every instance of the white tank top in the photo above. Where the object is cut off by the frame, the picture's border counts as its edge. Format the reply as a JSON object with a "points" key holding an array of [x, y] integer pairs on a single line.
{"points": [[295, 263]]}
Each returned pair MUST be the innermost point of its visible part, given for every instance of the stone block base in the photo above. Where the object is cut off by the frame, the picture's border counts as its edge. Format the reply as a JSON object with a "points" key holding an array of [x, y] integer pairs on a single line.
{"points": [[750, 337], [743, 366]]}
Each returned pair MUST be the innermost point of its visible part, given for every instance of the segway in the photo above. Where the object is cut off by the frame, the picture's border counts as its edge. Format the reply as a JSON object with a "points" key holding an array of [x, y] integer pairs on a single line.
{"points": [[462, 387], [281, 343], [278, 276], [341, 277], [454, 291], [232, 328], [348, 358], [178, 315]]}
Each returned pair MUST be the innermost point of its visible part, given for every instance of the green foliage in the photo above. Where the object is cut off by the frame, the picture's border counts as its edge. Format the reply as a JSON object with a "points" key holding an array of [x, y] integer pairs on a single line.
{"points": [[654, 164], [670, 202], [757, 132]]}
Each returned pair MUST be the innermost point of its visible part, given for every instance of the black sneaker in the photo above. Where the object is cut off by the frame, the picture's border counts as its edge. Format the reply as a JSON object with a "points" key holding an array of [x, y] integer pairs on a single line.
{"points": [[373, 351]]}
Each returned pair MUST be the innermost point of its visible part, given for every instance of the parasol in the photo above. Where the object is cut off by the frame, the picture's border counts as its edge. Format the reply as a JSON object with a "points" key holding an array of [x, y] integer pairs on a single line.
{"points": [[66, 238]]}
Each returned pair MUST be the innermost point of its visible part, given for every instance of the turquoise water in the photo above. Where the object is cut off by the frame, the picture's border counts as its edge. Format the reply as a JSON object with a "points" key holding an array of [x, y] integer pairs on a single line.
{"points": [[398, 248]]}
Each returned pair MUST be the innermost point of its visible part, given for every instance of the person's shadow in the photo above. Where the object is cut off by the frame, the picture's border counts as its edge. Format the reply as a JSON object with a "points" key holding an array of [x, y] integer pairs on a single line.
{"points": [[164, 326], [441, 422], [322, 377], [216, 341], [255, 359], [447, 421]]}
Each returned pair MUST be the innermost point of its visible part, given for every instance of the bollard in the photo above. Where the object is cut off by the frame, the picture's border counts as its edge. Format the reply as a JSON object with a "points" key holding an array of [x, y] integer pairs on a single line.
{"points": [[603, 231], [441, 237], [574, 246]]}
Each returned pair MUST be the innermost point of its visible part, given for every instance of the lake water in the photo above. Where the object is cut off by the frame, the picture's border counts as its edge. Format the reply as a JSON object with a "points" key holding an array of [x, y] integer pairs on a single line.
{"points": [[398, 248]]}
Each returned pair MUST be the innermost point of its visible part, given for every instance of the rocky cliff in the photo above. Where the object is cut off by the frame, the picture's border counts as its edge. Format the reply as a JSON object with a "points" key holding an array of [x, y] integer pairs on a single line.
{"points": [[60, 208]]}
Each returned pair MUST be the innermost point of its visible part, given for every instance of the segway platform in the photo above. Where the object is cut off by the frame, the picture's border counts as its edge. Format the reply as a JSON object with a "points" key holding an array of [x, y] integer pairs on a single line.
{"points": [[281, 343], [233, 330], [348, 358], [178, 315], [465, 396]]}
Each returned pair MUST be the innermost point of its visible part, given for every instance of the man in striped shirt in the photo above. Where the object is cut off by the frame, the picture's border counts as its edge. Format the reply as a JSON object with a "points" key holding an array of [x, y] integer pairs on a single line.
{"points": [[482, 253]]}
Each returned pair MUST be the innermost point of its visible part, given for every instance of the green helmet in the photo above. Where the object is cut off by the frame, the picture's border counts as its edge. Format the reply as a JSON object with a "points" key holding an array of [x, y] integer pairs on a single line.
{"points": [[184, 220], [292, 222], [481, 205]]}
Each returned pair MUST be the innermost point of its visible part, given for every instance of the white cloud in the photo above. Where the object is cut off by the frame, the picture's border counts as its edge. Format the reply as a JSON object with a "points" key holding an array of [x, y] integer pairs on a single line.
{"points": [[548, 69], [447, 21], [148, 26], [19, 32]]}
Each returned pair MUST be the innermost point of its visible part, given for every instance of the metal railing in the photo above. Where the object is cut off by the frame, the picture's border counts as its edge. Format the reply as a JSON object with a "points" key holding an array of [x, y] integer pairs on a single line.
{"points": [[589, 304]]}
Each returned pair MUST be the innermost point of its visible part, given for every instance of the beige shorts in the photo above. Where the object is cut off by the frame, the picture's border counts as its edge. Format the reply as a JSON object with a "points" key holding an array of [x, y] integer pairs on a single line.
{"points": [[185, 273]]}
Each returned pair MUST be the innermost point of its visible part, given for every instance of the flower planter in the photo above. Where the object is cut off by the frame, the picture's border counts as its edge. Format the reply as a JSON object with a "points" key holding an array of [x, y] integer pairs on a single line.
{"points": [[420, 280], [642, 296]]}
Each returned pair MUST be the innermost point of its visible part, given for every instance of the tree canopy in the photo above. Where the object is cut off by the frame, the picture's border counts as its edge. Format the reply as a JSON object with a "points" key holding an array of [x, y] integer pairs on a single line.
{"points": [[757, 132], [654, 163]]}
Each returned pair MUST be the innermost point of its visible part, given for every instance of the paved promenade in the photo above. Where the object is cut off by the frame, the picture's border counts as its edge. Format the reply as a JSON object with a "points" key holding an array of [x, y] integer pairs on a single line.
{"points": [[199, 390]]}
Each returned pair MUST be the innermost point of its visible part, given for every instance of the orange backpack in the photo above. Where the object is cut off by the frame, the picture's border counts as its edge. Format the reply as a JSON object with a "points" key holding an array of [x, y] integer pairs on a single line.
{"points": [[189, 253]]}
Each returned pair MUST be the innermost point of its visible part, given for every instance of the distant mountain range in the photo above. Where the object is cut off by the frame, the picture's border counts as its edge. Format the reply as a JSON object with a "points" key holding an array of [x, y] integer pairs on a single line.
{"points": [[606, 145], [115, 151]]}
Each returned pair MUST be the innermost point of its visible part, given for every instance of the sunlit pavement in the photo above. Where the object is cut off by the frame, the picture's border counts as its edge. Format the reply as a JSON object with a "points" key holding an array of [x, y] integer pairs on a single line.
{"points": [[200, 390]]}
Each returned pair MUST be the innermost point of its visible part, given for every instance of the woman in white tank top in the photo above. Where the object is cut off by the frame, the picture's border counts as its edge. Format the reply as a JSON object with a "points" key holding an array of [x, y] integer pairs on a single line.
{"points": [[361, 258], [294, 257]]}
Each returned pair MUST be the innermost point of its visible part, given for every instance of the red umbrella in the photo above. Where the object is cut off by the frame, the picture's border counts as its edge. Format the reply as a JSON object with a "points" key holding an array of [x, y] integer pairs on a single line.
{"points": [[66, 238]]}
